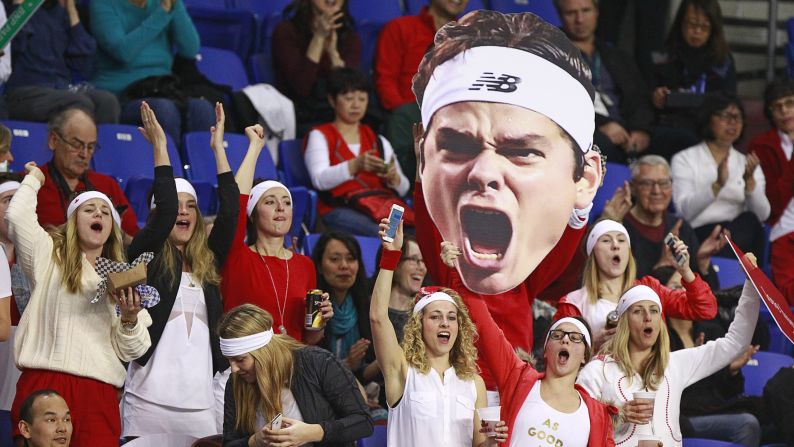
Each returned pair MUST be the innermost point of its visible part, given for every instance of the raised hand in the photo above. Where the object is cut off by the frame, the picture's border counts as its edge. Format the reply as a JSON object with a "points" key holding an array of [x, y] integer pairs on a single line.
{"points": [[620, 203], [217, 131], [397, 243], [256, 136], [32, 169], [151, 130], [449, 254]]}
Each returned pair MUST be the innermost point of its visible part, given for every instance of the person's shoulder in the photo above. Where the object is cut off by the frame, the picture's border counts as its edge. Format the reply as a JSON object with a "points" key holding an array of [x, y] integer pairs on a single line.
{"points": [[302, 260], [765, 140], [406, 23], [686, 153]]}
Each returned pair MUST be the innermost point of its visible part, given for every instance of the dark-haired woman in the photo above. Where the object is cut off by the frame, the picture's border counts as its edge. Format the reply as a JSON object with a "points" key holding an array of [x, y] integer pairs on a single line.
{"points": [[317, 37], [715, 184], [696, 58]]}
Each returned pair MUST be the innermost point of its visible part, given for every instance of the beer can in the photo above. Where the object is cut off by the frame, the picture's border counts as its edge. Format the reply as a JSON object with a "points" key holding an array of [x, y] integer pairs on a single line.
{"points": [[314, 320]]}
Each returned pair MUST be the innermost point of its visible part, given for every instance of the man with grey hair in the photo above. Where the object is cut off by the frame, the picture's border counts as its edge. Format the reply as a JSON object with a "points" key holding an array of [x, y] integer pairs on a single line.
{"points": [[648, 220]]}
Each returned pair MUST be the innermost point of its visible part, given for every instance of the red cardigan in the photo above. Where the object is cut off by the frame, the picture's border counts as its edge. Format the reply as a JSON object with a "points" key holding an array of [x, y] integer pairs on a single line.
{"points": [[695, 302], [515, 378], [778, 171]]}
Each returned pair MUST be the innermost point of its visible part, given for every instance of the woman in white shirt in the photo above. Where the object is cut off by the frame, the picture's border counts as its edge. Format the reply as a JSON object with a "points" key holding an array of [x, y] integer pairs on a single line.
{"points": [[715, 184], [432, 385], [638, 359]]}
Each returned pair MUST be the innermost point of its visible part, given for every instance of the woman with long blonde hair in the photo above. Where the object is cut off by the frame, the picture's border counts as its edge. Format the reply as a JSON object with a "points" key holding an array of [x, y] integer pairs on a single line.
{"points": [[70, 339], [431, 380], [610, 271], [638, 359], [170, 388], [283, 392]]}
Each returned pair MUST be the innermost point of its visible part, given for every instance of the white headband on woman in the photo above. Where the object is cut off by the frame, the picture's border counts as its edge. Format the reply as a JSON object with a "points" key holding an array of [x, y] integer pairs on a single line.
{"points": [[579, 325], [601, 228], [9, 186], [259, 190], [88, 195], [635, 295], [233, 347], [182, 185], [435, 296], [516, 77]]}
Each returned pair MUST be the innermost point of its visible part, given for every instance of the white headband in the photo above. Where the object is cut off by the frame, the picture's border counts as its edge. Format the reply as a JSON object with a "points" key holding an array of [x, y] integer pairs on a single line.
{"points": [[637, 294], [259, 190], [88, 195], [435, 296], [516, 77], [9, 186], [601, 228], [579, 325], [182, 185], [233, 347]]}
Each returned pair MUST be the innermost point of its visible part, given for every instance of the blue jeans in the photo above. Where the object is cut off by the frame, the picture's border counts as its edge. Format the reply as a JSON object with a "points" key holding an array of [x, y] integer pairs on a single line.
{"points": [[200, 116], [739, 428], [347, 219]]}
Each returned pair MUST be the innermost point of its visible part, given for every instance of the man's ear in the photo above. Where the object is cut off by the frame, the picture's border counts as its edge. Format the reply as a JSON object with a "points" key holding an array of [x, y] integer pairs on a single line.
{"points": [[51, 138], [588, 185], [24, 429]]}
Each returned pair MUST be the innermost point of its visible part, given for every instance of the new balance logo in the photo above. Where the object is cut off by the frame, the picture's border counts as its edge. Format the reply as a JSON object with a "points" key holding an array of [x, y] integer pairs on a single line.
{"points": [[505, 83]]}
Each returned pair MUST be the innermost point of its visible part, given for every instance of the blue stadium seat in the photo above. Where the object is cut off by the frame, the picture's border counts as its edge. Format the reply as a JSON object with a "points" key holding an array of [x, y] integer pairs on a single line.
{"points": [[368, 33], [137, 192], [364, 11], [369, 249], [378, 438], [790, 29], [542, 8], [729, 271], [231, 29], [697, 442], [293, 166], [614, 177], [304, 211], [28, 143], [202, 163], [778, 342], [412, 7], [210, 4], [761, 368], [260, 66], [222, 67], [125, 153]]}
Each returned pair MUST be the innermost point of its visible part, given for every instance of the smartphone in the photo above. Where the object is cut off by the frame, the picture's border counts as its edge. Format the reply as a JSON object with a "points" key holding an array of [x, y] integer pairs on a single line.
{"points": [[387, 166], [671, 240], [395, 216], [275, 424]]}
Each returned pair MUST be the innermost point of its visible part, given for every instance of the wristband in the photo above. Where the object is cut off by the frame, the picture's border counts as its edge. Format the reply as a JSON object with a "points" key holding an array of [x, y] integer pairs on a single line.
{"points": [[389, 259]]}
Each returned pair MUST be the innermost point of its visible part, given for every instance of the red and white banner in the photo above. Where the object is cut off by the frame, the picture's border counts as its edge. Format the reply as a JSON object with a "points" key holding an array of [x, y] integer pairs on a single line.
{"points": [[774, 300]]}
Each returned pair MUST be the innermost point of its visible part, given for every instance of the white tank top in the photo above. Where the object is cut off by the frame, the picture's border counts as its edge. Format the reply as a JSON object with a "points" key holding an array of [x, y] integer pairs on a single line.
{"points": [[594, 313], [540, 425], [432, 412]]}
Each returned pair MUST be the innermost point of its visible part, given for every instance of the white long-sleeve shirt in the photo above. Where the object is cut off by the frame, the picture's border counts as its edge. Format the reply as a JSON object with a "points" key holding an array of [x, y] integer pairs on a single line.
{"points": [[60, 330], [604, 380], [694, 170], [326, 177]]}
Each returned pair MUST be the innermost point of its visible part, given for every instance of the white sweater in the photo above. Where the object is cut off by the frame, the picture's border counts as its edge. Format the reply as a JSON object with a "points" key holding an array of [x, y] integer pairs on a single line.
{"points": [[63, 331], [604, 380], [694, 170]]}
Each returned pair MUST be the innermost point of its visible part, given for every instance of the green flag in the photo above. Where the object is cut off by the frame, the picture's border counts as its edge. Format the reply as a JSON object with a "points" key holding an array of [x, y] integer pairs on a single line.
{"points": [[17, 20]]}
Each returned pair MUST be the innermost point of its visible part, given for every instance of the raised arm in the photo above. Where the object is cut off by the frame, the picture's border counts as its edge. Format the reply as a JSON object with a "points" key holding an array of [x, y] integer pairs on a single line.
{"points": [[152, 237], [245, 173], [389, 355], [33, 244], [223, 232]]}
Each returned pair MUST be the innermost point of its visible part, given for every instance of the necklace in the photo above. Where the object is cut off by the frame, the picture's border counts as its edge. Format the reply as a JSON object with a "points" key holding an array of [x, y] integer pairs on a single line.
{"points": [[281, 310], [190, 280]]}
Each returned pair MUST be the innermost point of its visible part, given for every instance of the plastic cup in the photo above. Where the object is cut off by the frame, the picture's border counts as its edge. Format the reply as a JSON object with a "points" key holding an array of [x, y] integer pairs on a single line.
{"points": [[646, 396], [648, 441], [490, 416]]}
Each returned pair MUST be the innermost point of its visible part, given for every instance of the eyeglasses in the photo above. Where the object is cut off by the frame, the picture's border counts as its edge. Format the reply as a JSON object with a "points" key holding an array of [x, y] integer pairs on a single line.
{"points": [[698, 26], [647, 185], [414, 260], [77, 145], [727, 116], [782, 105], [558, 334]]}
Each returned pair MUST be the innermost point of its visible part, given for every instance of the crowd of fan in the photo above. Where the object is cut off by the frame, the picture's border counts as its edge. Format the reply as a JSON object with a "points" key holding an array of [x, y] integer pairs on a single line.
{"points": [[229, 278]]}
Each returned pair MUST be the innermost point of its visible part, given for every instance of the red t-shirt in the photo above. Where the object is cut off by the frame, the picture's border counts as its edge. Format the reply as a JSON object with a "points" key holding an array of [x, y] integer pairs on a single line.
{"points": [[246, 279], [52, 205]]}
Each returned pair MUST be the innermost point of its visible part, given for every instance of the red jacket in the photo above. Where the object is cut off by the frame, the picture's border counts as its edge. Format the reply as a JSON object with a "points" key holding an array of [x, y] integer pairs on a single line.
{"points": [[401, 46], [778, 171], [512, 310], [515, 378], [52, 206], [695, 302]]}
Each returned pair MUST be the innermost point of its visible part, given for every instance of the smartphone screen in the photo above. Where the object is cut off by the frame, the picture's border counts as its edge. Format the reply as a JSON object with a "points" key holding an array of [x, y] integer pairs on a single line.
{"points": [[395, 216]]}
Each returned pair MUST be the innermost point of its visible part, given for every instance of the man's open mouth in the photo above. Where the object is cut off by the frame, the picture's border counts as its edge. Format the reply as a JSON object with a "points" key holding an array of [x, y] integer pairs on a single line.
{"points": [[487, 232]]}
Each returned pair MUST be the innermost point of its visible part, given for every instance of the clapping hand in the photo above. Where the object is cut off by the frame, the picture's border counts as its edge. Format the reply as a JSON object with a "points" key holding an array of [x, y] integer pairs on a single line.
{"points": [[620, 203]]}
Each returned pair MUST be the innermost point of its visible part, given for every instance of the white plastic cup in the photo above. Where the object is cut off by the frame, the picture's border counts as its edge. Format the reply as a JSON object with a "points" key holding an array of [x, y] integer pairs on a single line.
{"points": [[491, 416], [646, 396], [648, 441]]}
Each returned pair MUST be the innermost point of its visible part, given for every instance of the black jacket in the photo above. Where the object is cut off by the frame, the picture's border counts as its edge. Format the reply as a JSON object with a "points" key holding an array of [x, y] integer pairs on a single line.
{"points": [[636, 109], [326, 393], [152, 238]]}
